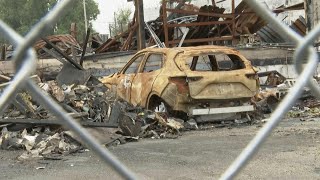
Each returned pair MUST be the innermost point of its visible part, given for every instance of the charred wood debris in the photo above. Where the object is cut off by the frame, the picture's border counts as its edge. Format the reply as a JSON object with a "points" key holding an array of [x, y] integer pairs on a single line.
{"points": [[27, 125]]}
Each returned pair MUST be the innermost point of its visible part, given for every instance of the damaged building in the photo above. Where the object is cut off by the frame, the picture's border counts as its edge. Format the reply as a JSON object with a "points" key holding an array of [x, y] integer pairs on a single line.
{"points": [[207, 61]]}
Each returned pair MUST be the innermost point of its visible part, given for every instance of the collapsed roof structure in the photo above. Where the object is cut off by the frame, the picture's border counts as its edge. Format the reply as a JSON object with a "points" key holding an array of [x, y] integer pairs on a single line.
{"points": [[184, 24]]}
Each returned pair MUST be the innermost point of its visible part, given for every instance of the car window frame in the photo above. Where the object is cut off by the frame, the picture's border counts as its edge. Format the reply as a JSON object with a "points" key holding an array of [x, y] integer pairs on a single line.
{"points": [[146, 58], [185, 67], [132, 60]]}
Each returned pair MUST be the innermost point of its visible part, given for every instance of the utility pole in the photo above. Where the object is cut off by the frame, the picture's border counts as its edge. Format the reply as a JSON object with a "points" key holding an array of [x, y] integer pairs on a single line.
{"points": [[141, 37], [309, 14], [312, 8], [73, 30], [115, 24], [85, 16], [110, 31]]}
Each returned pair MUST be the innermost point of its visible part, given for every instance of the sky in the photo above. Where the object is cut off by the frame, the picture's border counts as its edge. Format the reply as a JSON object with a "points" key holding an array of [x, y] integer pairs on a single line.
{"points": [[107, 9]]}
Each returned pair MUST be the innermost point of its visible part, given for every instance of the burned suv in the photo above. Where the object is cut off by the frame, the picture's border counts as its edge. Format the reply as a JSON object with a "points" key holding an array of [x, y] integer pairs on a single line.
{"points": [[202, 80]]}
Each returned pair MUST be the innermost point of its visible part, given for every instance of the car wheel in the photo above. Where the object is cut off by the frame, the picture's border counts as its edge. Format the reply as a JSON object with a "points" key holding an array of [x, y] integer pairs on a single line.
{"points": [[156, 104], [161, 108]]}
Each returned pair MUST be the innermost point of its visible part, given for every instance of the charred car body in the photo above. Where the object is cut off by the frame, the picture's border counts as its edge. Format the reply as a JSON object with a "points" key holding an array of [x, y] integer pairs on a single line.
{"points": [[202, 80]]}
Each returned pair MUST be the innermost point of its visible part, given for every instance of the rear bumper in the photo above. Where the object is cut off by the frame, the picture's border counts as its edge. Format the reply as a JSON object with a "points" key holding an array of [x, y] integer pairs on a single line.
{"points": [[225, 110]]}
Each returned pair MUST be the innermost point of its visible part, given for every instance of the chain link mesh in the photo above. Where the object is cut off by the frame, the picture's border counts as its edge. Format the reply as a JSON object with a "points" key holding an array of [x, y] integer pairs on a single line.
{"points": [[304, 49], [25, 62]]}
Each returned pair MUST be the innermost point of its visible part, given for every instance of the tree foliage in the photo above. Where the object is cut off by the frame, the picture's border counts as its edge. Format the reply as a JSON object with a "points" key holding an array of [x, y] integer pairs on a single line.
{"points": [[122, 20], [75, 14], [21, 15]]}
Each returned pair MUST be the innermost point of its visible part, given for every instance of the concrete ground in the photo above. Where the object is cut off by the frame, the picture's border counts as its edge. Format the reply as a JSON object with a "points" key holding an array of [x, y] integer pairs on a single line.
{"points": [[292, 152]]}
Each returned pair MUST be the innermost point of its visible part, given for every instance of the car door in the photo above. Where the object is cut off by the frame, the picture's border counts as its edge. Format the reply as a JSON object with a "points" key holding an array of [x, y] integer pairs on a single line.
{"points": [[125, 77], [143, 81]]}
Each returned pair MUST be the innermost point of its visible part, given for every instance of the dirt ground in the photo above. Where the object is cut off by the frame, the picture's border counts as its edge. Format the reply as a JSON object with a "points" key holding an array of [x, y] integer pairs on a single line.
{"points": [[292, 152]]}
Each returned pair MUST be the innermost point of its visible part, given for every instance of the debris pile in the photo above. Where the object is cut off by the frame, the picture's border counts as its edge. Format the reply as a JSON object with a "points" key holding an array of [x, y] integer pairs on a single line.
{"points": [[305, 108], [274, 89], [27, 125], [90, 103], [159, 125], [137, 122], [38, 143], [66, 43]]}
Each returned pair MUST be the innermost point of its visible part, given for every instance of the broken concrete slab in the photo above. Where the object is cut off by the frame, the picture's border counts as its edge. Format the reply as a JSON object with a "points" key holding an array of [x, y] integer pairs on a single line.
{"points": [[70, 75], [130, 124]]}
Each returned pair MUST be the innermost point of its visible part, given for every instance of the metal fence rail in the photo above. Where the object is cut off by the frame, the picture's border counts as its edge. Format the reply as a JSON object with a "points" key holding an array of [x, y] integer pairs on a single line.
{"points": [[304, 49], [25, 63]]}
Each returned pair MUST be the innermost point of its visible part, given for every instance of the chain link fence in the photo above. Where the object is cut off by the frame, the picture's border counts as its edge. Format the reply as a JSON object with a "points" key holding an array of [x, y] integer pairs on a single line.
{"points": [[25, 62]]}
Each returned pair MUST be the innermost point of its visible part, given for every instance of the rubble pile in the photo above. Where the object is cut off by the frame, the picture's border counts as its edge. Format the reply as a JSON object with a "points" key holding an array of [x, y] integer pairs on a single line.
{"points": [[274, 89], [38, 143], [91, 101], [65, 42], [265, 101], [94, 103], [86, 102], [306, 108], [134, 124], [138, 122], [26, 124], [159, 125]]}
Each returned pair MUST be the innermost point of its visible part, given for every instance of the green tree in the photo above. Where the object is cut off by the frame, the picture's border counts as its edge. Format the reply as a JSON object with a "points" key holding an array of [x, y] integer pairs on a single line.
{"points": [[75, 15], [122, 19], [21, 15]]}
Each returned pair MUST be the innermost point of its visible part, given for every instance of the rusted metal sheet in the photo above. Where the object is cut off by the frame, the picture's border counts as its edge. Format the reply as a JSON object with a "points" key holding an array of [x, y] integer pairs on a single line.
{"points": [[213, 24], [268, 34], [165, 75], [274, 78], [63, 42], [208, 14], [282, 8], [246, 21], [113, 44], [300, 26]]}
